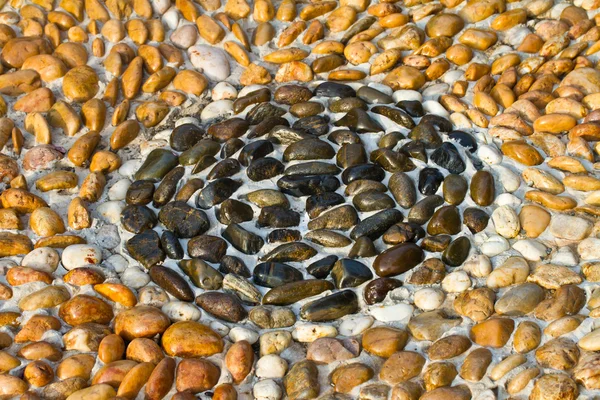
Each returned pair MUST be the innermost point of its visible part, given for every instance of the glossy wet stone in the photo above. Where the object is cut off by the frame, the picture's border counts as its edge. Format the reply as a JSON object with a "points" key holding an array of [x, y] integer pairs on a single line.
{"points": [[327, 238], [234, 212], [302, 381], [427, 134], [416, 150], [167, 187], [396, 115], [255, 97], [430, 180], [242, 288], [402, 187], [351, 154], [373, 96], [346, 104], [475, 219], [293, 292], [292, 94], [243, 240], [312, 168], [327, 63], [171, 245], [376, 225], [445, 220], [231, 147], [320, 269], [403, 232], [223, 306], [306, 109], [372, 201], [185, 136], [448, 157], [465, 140], [201, 274], [424, 209], [216, 192], [136, 219], [457, 252], [482, 188], [308, 149], [317, 125], [440, 123], [145, 248], [224, 169], [343, 136], [390, 140], [284, 236], [363, 171], [267, 317], [392, 161], [377, 290], [364, 185], [274, 274], [306, 185], [359, 121], [436, 244], [204, 148], [206, 247], [398, 259], [158, 163], [234, 265], [340, 218], [411, 107], [455, 189], [350, 273], [278, 217], [184, 220], [363, 247], [264, 168], [171, 282], [255, 150], [140, 192], [265, 126], [203, 163], [333, 89], [263, 111], [317, 204], [285, 135], [330, 307]]}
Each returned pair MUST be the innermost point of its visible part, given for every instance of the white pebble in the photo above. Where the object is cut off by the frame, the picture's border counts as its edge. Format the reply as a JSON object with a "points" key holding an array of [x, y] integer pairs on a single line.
{"points": [[494, 245], [489, 154], [460, 121], [565, 256], [509, 180], [355, 325], [80, 255], [397, 312], [479, 265], [118, 191], [117, 262], [271, 366], [508, 199], [506, 222], [160, 6], [220, 328], [171, 18], [435, 108], [381, 87], [217, 109], [589, 249], [517, 35], [135, 278], [224, 91], [211, 61], [42, 259], [239, 333], [407, 95], [456, 282], [429, 299], [153, 296], [452, 76], [129, 167], [308, 333], [570, 227], [110, 211], [187, 120], [185, 36], [435, 91], [531, 249], [181, 311], [267, 390], [148, 145]]}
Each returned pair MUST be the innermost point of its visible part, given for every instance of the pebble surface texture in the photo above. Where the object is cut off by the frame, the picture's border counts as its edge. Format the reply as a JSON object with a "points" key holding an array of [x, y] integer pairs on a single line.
{"points": [[294, 199]]}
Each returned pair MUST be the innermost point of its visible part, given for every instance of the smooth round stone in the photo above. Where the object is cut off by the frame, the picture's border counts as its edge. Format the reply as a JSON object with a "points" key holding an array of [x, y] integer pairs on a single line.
{"points": [[320, 269], [373, 96], [181, 311], [267, 317], [411, 107], [118, 190], [330, 307], [355, 325], [208, 248], [255, 150], [307, 185], [134, 278], [223, 91], [238, 333], [428, 299], [292, 94], [364, 171], [346, 104], [111, 211], [108, 236], [494, 245], [426, 133], [201, 274], [364, 185], [138, 218], [445, 220], [327, 350], [403, 189], [233, 265], [145, 248], [397, 312], [376, 291], [334, 89], [140, 192], [456, 282], [489, 155], [271, 366], [410, 95], [307, 109], [457, 252], [224, 306], [190, 339], [234, 212], [376, 225], [308, 333], [448, 157], [211, 61], [395, 115], [465, 140], [454, 189], [350, 273], [430, 180], [520, 300], [217, 192], [217, 110], [158, 163], [43, 259], [344, 136], [274, 274], [398, 259], [172, 282], [358, 120], [185, 136], [243, 240], [302, 380], [475, 219], [80, 255], [308, 149], [482, 188], [424, 209]]}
